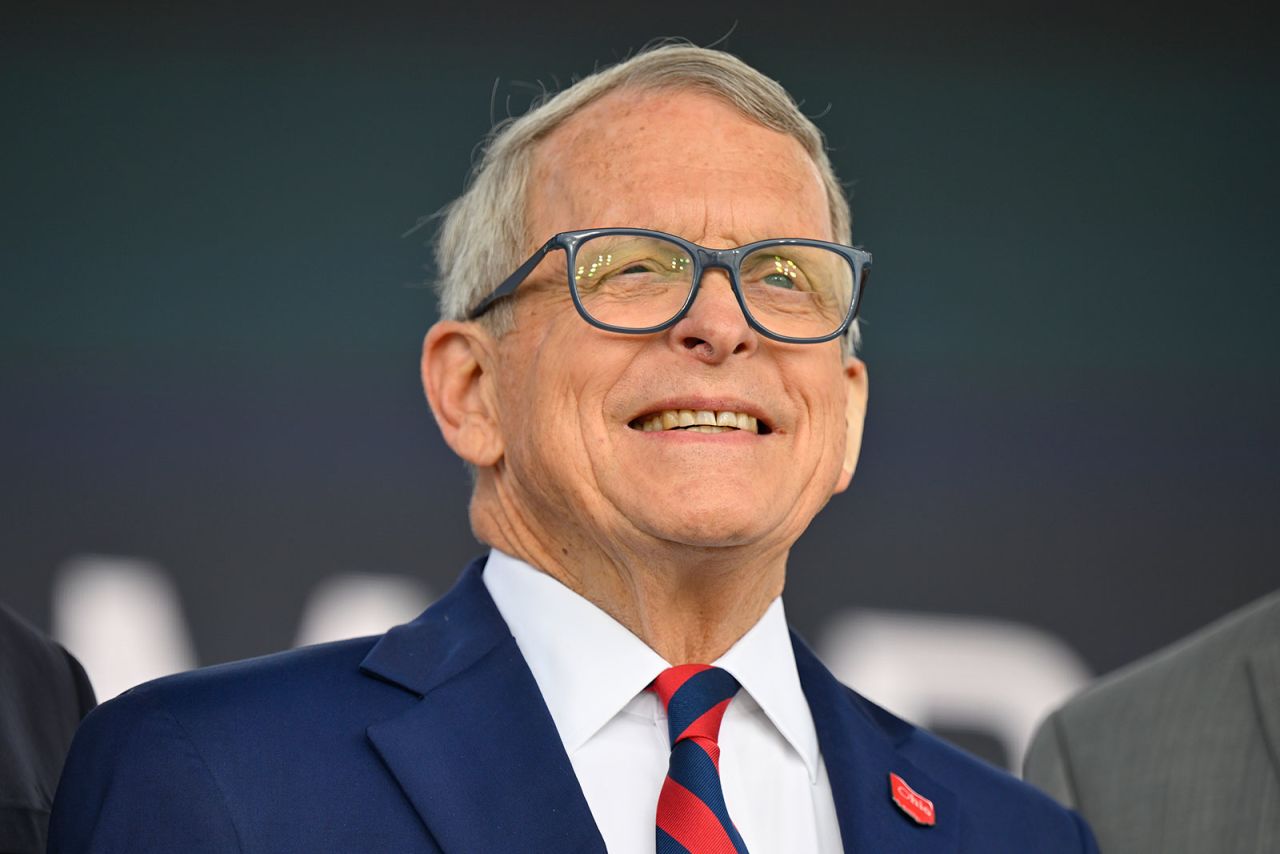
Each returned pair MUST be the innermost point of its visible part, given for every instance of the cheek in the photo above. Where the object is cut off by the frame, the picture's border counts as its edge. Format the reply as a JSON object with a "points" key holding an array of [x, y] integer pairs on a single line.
{"points": [[551, 434], [828, 417], [821, 384]]}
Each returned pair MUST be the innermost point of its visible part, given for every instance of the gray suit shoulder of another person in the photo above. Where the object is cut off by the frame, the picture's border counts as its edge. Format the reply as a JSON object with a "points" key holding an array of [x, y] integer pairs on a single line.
{"points": [[1179, 752]]}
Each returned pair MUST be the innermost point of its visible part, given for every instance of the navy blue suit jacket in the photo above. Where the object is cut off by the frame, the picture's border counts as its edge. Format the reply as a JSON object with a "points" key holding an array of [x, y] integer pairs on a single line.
{"points": [[434, 737]]}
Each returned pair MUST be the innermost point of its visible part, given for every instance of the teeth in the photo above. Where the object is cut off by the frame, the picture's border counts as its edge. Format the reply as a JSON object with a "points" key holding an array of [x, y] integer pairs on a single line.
{"points": [[699, 421]]}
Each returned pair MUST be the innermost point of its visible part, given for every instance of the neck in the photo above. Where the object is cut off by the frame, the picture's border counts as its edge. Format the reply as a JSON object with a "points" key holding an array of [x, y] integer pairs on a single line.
{"points": [[688, 603]]}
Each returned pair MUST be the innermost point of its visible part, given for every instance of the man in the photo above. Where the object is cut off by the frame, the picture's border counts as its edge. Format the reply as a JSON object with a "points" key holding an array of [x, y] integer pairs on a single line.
{"points": [[44, 693], [1179, 752], [653, 417]]}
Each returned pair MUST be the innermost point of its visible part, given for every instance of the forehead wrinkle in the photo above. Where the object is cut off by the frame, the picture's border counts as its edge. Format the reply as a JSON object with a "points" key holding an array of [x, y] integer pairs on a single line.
{"points": [[619, 146], [713, 217]]}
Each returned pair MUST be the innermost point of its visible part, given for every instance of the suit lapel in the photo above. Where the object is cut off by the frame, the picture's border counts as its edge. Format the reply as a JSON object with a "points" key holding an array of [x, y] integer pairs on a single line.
{"points": [[1264, 674], [478, 756], [860, 755]]}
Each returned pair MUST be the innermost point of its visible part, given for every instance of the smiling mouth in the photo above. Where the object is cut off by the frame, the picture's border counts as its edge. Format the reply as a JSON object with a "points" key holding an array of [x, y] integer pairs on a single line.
{"points": [[699, 421]]}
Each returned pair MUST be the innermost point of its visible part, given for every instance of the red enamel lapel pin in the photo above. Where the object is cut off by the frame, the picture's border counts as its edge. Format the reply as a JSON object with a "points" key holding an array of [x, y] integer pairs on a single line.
{"points": [[911, 802]]}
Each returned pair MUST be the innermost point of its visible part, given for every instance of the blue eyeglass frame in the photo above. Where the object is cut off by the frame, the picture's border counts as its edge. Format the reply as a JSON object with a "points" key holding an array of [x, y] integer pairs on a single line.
{"points": [[729, 260]]}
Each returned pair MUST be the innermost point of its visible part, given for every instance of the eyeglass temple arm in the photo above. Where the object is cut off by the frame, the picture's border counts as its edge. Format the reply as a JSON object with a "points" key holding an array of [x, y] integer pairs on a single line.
{"points": [[864, 278], [513, 281]]}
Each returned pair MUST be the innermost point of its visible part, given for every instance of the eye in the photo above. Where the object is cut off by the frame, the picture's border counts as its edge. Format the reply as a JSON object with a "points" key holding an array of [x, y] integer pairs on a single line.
{"points": [[644, 269], [630, 262], [779, 272]]}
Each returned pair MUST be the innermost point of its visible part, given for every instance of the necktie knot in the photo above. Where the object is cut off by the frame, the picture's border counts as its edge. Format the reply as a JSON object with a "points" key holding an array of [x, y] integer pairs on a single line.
{"points": [[692, 815], [695, 697]]}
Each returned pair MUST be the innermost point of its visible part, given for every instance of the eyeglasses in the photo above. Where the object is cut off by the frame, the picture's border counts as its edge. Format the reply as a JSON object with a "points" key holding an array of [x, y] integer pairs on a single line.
{"points": [[637, 281]]}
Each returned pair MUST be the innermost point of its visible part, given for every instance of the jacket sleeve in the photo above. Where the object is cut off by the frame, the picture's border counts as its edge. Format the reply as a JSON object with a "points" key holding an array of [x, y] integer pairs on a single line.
{"points": [[135, 781]]}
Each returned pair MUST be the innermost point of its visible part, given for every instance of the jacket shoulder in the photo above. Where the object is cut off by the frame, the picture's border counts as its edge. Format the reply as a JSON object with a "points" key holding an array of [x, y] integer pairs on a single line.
{"points": [[990, 796], [1186, 674], [991, 811], [183, 763], [43, 695], [996, 810], [321, 669], [1185, 722]]}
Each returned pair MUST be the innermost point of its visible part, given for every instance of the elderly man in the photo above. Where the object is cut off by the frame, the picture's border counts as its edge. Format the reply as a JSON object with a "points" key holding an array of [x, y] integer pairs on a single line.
{"points": [[655, 403]]}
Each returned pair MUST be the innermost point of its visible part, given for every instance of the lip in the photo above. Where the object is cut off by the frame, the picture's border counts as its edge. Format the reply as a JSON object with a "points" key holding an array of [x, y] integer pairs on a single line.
{"points": [[711, 404]]}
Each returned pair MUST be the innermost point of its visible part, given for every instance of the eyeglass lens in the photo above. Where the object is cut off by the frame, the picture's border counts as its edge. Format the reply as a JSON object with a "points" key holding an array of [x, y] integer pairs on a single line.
{"points": [[638, 281]]}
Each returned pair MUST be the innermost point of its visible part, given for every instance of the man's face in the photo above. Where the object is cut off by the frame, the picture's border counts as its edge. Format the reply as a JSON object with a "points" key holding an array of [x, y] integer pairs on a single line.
{"points": [[573, 399]]}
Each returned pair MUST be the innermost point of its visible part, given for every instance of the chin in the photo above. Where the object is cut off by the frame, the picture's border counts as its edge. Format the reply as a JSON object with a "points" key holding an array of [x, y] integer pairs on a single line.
{"points": [[709, 526]]}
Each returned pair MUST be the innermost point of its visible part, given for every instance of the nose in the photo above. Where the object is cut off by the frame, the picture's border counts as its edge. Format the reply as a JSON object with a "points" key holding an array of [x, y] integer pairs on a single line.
{"points": [[714, 328]]}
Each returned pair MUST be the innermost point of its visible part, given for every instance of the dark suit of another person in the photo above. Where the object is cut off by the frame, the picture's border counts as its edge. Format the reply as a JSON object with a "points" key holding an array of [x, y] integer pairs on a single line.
{"points": [[44, 693]]}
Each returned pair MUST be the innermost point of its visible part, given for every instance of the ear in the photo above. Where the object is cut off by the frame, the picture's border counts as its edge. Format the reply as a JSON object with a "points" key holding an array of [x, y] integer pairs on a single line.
{"points": [[855, 415], [457, 375]]}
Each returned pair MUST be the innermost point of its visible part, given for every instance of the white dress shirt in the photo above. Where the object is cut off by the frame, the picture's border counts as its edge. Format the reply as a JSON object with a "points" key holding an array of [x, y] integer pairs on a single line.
{"points": [[593, 674]]}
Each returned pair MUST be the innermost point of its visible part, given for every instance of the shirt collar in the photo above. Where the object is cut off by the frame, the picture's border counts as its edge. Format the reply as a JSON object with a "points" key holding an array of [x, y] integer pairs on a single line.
{"points": [[591, 673], [764, 663], [587, 674]]}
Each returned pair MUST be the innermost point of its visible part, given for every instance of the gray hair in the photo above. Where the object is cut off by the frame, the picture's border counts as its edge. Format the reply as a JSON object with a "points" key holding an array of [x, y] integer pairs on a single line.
{"points": [[484, 234]]}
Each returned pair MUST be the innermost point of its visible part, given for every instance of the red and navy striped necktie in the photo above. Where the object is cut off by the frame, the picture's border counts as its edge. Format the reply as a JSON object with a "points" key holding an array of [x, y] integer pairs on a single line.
{"points": [[692, 818]]}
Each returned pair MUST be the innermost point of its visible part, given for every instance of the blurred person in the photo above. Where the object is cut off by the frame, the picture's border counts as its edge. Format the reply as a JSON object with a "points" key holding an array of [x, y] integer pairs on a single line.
{"points": [[1180, 751], [44, 693], [646, 358]]}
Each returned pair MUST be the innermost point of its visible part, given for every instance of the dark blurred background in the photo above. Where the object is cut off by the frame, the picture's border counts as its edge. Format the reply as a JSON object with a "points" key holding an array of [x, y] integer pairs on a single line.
{"points": [[210, 320]]}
